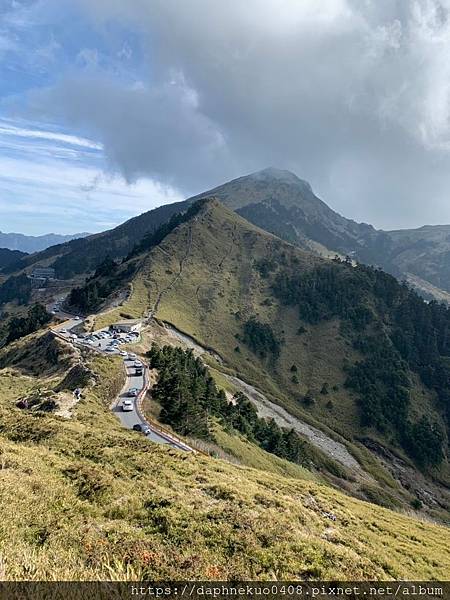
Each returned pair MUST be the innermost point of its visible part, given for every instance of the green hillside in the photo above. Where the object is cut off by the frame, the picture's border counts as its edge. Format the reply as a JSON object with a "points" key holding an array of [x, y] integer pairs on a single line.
{"points": [[82, 255], [81, 498], [227, 284]]}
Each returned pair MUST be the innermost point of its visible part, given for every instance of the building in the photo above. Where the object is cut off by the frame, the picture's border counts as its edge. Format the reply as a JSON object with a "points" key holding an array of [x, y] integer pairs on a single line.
{"points": [[127, 326], [43, 273]]}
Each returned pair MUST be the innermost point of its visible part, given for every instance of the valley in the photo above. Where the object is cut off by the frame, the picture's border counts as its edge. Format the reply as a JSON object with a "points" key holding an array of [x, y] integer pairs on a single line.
{"points": [[200, 300], [83, 471], [277, 362]]}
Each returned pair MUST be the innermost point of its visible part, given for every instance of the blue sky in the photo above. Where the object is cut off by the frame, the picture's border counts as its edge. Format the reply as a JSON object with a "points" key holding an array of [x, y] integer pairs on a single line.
{"points": [[52, 178], [109, 108]]}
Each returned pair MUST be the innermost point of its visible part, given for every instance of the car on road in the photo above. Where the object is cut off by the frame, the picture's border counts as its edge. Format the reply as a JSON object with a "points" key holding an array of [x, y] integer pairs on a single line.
{"points": [[127, 405], [77, 318], [123, 353], [132, 356], [146, 429], [110, 349], [137, 427], [133, 392]]}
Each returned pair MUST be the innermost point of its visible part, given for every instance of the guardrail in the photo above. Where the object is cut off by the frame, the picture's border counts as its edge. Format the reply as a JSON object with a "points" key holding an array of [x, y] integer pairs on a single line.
{"points": [[161, 431], [59, 325], [157, 428]]}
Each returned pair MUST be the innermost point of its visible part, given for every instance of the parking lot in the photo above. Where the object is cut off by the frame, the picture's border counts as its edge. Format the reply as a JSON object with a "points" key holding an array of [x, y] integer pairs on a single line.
{"points": [[126, 408]]}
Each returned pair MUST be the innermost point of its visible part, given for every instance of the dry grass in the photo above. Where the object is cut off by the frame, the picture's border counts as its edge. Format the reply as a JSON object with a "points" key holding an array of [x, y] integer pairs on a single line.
{"points": [[86, 499]]}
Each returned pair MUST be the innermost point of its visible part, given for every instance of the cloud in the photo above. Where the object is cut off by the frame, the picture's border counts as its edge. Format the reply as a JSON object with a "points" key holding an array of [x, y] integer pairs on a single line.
{"points": [[156, 132], [8, 129], [61, 182], [353, 95]]}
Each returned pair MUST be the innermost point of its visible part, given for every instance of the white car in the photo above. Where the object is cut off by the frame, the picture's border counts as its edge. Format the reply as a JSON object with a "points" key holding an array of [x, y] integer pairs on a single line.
{"points": [[77, 318], [123, 353], [127, 405], [132, 356]]}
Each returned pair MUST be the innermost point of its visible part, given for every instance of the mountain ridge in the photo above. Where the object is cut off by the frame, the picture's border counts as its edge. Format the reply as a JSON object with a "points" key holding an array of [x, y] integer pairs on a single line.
{"points": [[279, 202], [31, 243], [306, 332]]}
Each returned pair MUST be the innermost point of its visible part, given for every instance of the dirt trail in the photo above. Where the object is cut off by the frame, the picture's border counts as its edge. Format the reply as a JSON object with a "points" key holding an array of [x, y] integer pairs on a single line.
{"points": [[190, 342], [268, 409], [183, 260]]}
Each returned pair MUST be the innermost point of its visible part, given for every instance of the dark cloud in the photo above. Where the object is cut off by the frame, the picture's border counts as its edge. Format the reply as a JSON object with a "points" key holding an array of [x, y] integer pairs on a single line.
{"points": [[352, 95]]}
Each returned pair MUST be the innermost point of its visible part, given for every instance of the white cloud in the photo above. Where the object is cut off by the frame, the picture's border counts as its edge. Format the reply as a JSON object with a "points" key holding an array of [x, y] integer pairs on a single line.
{"points": [[7, 129], [62, 181], [302, 85]]}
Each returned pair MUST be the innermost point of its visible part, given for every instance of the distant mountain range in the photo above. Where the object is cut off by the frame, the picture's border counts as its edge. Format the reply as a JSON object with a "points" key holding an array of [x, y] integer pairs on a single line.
{"points": [[31, 243], [282, 204]]}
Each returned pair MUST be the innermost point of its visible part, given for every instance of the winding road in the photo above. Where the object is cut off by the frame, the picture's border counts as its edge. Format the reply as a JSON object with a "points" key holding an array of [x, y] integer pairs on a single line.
{"points": [[139, 382]]}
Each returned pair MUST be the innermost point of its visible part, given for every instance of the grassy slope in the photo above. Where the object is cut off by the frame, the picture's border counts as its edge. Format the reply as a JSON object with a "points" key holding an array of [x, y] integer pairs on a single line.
{"points": [[219, 288], [85, 499]]}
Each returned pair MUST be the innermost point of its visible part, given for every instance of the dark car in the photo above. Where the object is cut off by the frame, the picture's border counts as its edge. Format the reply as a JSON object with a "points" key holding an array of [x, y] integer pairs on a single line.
{"points": [[137, 427]]}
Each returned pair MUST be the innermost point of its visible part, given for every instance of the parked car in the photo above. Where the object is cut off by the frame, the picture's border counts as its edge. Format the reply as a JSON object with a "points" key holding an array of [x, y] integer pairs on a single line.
{"points": [[77, 318], [146, 429], [110, 349], [132, 356], [123, 353], [133, 392], [127, 405], [137, 427]]}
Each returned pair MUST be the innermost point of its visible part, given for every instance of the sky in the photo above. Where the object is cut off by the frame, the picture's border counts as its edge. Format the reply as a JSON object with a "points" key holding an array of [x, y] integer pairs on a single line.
{"points": [[109, 108]]}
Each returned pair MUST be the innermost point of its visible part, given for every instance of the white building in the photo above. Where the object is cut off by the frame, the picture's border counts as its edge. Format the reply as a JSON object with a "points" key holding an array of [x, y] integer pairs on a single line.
{"points": [[127, 326]]}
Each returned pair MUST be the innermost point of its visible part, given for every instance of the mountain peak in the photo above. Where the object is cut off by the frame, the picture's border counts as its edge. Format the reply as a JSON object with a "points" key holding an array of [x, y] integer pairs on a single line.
{"points": [[281, 175]]}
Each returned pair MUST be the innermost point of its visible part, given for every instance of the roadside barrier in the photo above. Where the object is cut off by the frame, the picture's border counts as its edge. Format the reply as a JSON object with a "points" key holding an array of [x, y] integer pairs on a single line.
{"points": [[161, 431], [157, 428]]}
